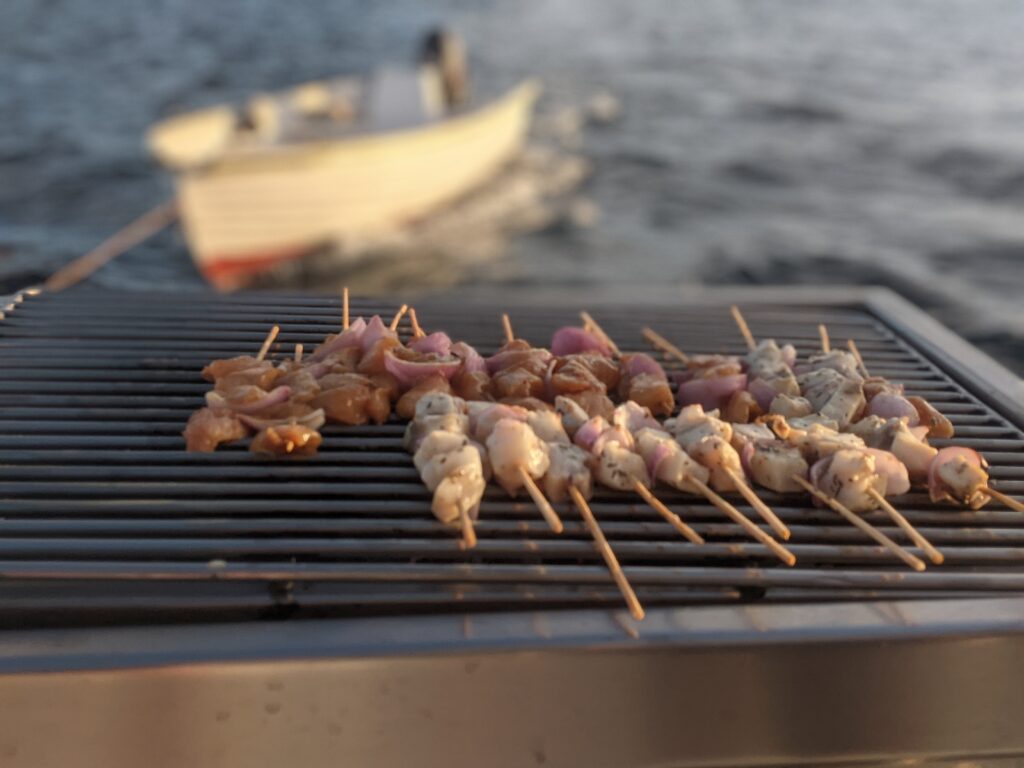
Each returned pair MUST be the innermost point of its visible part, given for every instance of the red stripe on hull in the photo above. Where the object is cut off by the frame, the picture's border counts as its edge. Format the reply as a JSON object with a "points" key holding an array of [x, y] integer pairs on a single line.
{"points": [[229, 273]]}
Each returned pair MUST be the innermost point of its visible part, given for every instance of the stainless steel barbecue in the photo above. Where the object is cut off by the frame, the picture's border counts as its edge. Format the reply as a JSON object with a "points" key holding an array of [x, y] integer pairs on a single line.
{"points": [[218, 609]]}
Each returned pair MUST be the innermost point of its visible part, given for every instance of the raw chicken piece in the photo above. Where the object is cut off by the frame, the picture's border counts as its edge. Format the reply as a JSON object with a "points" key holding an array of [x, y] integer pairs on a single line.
{"points": [[568, 468], [846, 476], [833, 396], [769, 372], [482, 419], [438, 403], [904, 443], [572, 413], [720, 458], [958, 475], [513, 446], [772, 464], [633, 417], [218, 369], [619, 468], [692, 425], [287, 440], [419, 428], [451, 468], [790, 406], [206, 429], [547, 426], [667, 461], [838, 360]]}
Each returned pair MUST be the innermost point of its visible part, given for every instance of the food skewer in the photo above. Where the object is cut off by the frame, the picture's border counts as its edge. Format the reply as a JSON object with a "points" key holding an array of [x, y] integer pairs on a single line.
{"points": [[267, 342], [852, 346], [344, 308], [398, 317], [933, 554], [670, 517], [506, 323], [660, 342], [541, 501], [298, 353], [910, 559], [590, 324], [826, 345], [417, 331], [1009, 501], [744, 328], [605, 550]]}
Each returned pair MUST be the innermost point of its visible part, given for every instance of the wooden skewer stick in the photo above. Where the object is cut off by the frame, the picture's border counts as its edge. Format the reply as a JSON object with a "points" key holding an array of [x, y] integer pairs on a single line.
{"points": [[740, 519], [660, 342], [856, 356], [554, 521], [670, 517], [144, 227], [417, 330], [766, 512], [826, 345], [268, 341], [602, 545], [468, 532], [507, 325], [298, 353], [912, 560], [590, 324], [999, 496], [933, 554], [744, 328], [344, 308], [398, 317]]}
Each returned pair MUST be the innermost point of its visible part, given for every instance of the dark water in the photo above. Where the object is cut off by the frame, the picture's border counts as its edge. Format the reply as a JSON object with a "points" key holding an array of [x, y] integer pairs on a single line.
{"points": [[761, 142]]}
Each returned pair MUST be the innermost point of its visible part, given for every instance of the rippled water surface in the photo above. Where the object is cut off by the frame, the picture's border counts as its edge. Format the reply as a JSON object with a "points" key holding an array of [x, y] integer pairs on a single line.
{"points": [[760, 142]]}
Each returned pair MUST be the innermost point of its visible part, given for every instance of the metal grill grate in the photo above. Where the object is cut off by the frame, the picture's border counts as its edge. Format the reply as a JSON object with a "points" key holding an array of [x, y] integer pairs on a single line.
{"points": [[106, 518]]}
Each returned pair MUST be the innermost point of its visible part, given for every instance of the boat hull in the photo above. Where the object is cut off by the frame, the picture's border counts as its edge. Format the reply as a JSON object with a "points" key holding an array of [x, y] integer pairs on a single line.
{"points": [[256, 208]]}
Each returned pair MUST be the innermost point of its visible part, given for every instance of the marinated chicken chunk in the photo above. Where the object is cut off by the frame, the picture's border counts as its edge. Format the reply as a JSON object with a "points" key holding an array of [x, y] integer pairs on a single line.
{"points": [[206, 429], [286, 441], [405, 408]]}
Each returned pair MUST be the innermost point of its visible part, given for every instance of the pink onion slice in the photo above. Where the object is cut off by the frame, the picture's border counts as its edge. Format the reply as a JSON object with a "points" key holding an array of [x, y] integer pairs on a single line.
{"points": [[437, 343], [376, 330], [472, 361], [587, 434], [408, 373], [642, 363], [763, 392], [710, 393], [572, 340], [276, 396], [657, 457], [886, 405], [350, 337], [313, 420]]}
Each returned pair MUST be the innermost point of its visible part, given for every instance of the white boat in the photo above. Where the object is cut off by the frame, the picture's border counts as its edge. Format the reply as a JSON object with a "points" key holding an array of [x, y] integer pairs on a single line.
{"points": [[328, 161]]}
